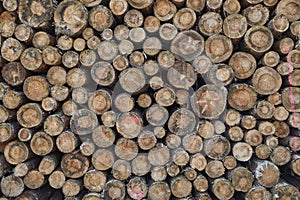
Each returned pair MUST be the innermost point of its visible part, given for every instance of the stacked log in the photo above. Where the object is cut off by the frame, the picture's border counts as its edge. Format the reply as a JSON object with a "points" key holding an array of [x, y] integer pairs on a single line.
{"points": [[144, 99]]}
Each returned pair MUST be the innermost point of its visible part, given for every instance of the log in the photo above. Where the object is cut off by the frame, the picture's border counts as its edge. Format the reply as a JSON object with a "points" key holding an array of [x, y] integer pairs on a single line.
{"points": [[214, 169], [201, 183], [278, 25], [137, 188], [206, 129], [69, 108], [121, 170], [180, 157], [159, 155], [56, 179], [242, 151], [271, 141], [263, 151], [13, 99], [218, 48], [124, 102], [87, 148], [158, 173], [74, 165], [118, 7], [10, 5], [181, 122], [83, 122], [173, 141], [256, 15], [242, 97], [14, 73], [34, 179], [180, 187], [210, 23], [8, 131], [198, 161], [55, 124], [230, 162], [182, 97], [266, 128], [156, 82], [102, 159], [16, 152], [258, 192], [103, 136], [233, 117], [152, 46], [132, 80], [136, 58], [231, 7], [144, 100], [59, 92], [192, 143], [223, 188], [6, 114], [266, 173], [217, 147], [248, 122], [242, 179], [80, 95], [71, 187], [282, 130], [66, 142], [41, 143], [280, 155], [157, 115], [126, 149], [68, 23], [254, 137], [288, 8], [235, 134], [196, 5], [12, 186], [79, 44], [11, 49], [36, 88], [133, 18], [114, 189], [159, 190], [129, 124], [164, 10], [23, 168], [146, 140], [190, 174], [140, 166], [41, 40], [109, 118], [94, 41], [24, 33], [243, 64], [94, 180]]}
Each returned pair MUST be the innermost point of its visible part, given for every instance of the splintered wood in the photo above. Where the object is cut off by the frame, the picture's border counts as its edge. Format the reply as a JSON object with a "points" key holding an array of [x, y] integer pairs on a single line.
{"points": [[149, 99]]}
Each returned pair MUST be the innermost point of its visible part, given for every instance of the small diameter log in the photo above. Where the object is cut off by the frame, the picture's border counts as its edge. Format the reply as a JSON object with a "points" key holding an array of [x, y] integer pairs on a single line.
{"points": [[94, 41], [56, 179], [295, 166], [87, 57], [121, 170], [242, 151], [146, 140], [6, 114], [184, 18], [254, 137], [126, 149], [166, 59], [140, 165], [94, 180], [79, 44], [49, 163], [129, 124], [266, 173], [118, 7], [271, 59], [132, 80], [120, 62], [284, 46], [24, 134], [10, 5], [200, 183], [137, 188], [218, 48], [12, 186], [159, 190], [14, 73], [235, 133], [126, 47], [248, 122], [278, 25], [230, 162], [156, 82], [124, 102], [209, 101], [151, 24], [196, 5], [158, 173], [202, 64], [271, 141], [141, 5], [55, 124], [41, 40], [56, 75], [180, 187], [187, 45], [231, 7], [167, 31], [80, 95], [220, 74], [51, 55], [263, 151], [87, 148], [114, 189], [36, 88], [109, 118], [291, 99], [181, 122], [235, 26], [16, 152], [66, 142], [159, 155], [258, 39], [32, 60], [83, 122], [264, 109], [144, 100], [65, 43], [294, 28], [121, 32], [11, 49], [74, 165], [103, 136], [242, 179], [190, 173], [181, 75], [223, 188], [23, 168], [280, 155], [102, 159], [70, 17], [164, 10], [69, 108], [210, 23], [7, 28], [232, 117], [289, 8], [92, 196], [293, 120], [34, 179], [173, 141], [214, 5], [41, 143], [136, 59], [206, 129], [13, 99], [293, 58], [217, 147], [282, 130], [192, 143], [243, 64], [180, 158], [8, 131], [30, 115], [24, 33], [214, 169], [99, 102], [71, 187], [293, 77], [157, 115], [258, 192], [152, 46], [100, 18], [256, 15], [70, 59], [133, 18]]}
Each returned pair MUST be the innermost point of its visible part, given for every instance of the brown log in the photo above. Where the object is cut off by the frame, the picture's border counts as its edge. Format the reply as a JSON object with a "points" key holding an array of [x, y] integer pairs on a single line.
{"points": [[87, 148], [167, 31], [256, 15], [126, 47], [32, 60], [146, 140], [293, 120], [258, 192], [180, 187], [68, 23], [6, 114], [66, 142], [235, 133], [254, 137], [223, 188], [280, 155], [100, 24], [118, 7], [56, 75], [65, 42], [126, 149], [51, 55], [136, 59], [271, 141], [152, 46], [230, 162], [56, 179], [124, 102], [7, 28], [294, 28], [278, 25], [280, 113], [109, 118], [210, 23], [137, 188], [69, 108], [242, 151], [284, 46], [24, 134], [293, 59], [72, 187], [34, 179], [94, 41], [129, 124], [173, 141], [159, 190], [159, 155], [192, 143], [87, 57], [196, 5], [270, 3], [11, 49], [156, 82], [206, 129], [140, 165], [263, 151], [200, 183], [182, 97], [24, 33], [266, 173], [13, 99], [295, 163], [36, 88], [181, 122], [132, 80], [214, 5], [217, 147], [214, 169], [79, 44], [248, 122], [41, 40], [99, 101], [141, 5], [218, 48], [158, 173], [10, 5], [121, 32], [70, 59], [80, 95], [76, 77], [258, 39], [12, 186], [289, 9], [282, 130], [233, 117], [231, 7], [41, 143], [164, 10], [121, 170], [242, 97], [144, 100], [23, 168], [271, 59], [293, 77], [74, 165], [157, 115], [94, 180], [103, 136], [83, 122], [180, 157], [242, 179], [133, 18], [102, 159], [8, 131], [190, 174], [49, 163], [275, 98], [151, 24], [55, 124], [120, 62], [166, 59], [266, 128], [235, 26], [184, 18], [30, 115], [198, 161], [114, 189]]}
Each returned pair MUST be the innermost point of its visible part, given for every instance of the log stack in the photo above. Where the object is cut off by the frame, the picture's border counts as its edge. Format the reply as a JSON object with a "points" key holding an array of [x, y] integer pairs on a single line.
{"points": [[150, 99]]}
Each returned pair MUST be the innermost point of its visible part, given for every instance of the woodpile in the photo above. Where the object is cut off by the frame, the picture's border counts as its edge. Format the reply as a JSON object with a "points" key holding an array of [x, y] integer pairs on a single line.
{"points": [[150, 99]]}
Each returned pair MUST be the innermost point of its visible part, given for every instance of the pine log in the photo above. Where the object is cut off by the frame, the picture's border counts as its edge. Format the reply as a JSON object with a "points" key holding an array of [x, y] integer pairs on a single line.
{"points": [[11, 49], [140, 165], [66, 142], [74, 165], [256, 15], [230, 162], [72, 187], [114, 189], [102, 159], [16, 152], [56, 179], [87, 148], [129, 124], [12, 186], [214, 169], [180, 187], [124, 102], [173, 141], [263, 151], [34, 179], [223, 188], [41, 143], [164, 10], [242, 151], [83, 122], [137, 188], [232, 6], [146, 140], [210, 23], [198, 161]]}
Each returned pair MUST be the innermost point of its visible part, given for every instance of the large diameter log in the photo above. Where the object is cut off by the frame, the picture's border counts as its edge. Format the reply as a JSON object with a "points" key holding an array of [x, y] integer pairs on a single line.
{"points": [[209, 101], [258, 192], [14, 73], [243, 64], [114, 189], [181, 187], [242, 179], [184, 19], [34, 179], [289, 8], [102, 159], [266, 173], [11, 49], [83, 122], [100, 17], [12, 186], [217, 147], [41, 143], [159, 190], [256, 15], [74, 165], [16, 152], [210, 23], [223, 189], [218, 48], [129, 124], [70, 17]]}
